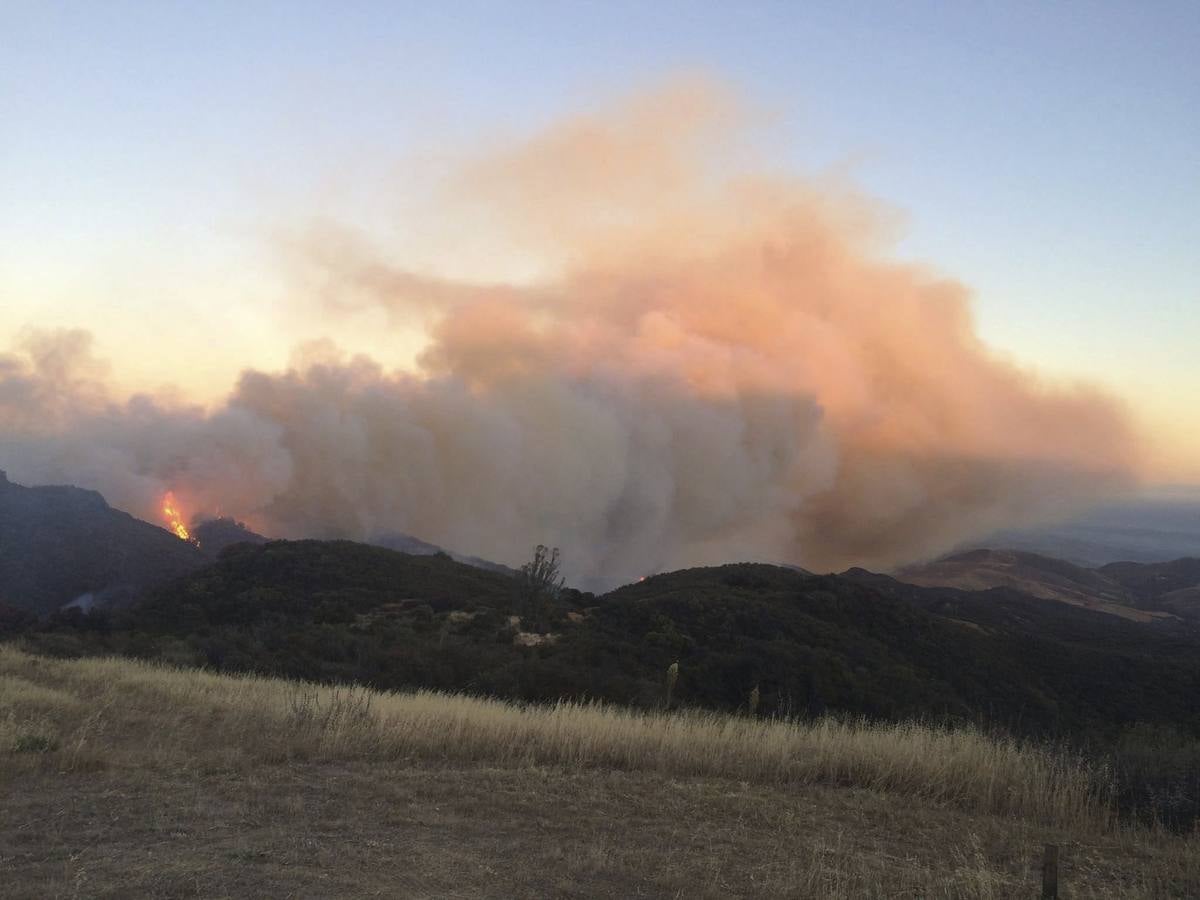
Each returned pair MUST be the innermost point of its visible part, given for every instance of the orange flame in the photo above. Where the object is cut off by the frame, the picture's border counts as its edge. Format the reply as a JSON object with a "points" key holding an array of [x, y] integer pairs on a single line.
{"points": [[174, 517]]}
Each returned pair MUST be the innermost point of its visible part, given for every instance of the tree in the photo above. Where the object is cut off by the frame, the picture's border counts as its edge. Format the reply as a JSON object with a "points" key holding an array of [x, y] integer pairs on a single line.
{"points": [[541, 581]]}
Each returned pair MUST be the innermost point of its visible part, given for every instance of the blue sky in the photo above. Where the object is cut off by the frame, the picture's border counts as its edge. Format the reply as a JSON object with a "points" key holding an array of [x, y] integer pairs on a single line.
{"points": [[1048, 155]]}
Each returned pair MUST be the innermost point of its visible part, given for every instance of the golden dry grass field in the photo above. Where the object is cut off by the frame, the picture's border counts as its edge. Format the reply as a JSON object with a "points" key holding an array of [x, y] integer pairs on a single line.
{"points": [[120, 779]]}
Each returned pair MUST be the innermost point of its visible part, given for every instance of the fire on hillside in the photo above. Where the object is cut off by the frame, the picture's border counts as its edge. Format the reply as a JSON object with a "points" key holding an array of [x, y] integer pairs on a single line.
{"points": [[175, 520]]}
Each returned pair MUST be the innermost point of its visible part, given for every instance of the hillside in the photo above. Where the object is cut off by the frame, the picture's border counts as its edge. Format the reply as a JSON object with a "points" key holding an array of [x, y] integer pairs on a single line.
{"points": [[406, 543], [214, 535], [1140, 592], [124, 779], [1171, 586], [869, 644], [1030, 574], [860, 645], [60, 544]]}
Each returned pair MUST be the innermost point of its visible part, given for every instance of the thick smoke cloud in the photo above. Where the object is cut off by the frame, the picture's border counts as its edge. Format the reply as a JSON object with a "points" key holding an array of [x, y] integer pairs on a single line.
{"points": [[715, 366]]}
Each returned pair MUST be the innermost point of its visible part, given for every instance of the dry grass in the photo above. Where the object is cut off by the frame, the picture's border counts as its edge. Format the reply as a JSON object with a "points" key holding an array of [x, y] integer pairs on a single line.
{"points": [[188, 711], [495, 799]]}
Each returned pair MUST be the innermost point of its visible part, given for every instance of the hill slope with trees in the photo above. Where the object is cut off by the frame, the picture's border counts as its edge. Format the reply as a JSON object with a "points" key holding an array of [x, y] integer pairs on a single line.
{"points": [[799, 644]]}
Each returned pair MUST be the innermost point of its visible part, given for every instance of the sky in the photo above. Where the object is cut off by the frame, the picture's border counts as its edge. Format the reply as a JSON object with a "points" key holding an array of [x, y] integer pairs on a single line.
{"points": [[154, 158]]}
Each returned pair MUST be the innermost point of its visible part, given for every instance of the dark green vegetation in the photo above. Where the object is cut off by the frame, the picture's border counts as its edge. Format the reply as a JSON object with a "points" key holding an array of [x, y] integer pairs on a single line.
{"points": [[858, 644]]}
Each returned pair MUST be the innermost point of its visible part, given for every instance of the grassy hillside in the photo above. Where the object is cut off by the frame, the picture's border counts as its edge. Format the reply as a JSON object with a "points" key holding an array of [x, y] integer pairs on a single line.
{"points": [[1172, 586], [1141, 592], [1031, 574], [126, 777], [808, 645]]}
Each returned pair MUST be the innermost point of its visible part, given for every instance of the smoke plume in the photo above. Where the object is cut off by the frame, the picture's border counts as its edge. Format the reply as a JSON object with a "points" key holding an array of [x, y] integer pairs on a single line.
{"points": [[714, 365]]}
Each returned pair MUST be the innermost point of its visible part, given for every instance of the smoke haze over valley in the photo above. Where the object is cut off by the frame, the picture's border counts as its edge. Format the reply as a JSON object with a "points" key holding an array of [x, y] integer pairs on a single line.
{"points": [[717, 363]]}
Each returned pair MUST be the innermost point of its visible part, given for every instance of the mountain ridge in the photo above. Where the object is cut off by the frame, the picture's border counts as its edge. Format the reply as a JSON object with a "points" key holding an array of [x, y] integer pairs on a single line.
{"points": [[60, 543]]}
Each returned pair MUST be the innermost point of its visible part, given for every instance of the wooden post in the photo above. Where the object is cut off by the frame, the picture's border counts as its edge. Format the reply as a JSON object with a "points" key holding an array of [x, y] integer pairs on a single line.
{"points": [[1050, 873]]}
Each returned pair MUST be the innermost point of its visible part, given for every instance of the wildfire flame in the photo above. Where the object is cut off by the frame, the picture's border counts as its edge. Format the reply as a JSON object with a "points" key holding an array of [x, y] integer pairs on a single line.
{"points": [[174, 517]]}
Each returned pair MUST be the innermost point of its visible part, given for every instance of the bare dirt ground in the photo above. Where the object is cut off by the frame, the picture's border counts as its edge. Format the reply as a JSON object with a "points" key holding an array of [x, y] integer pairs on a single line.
{"points": [[372, 830], [126, 780]]}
